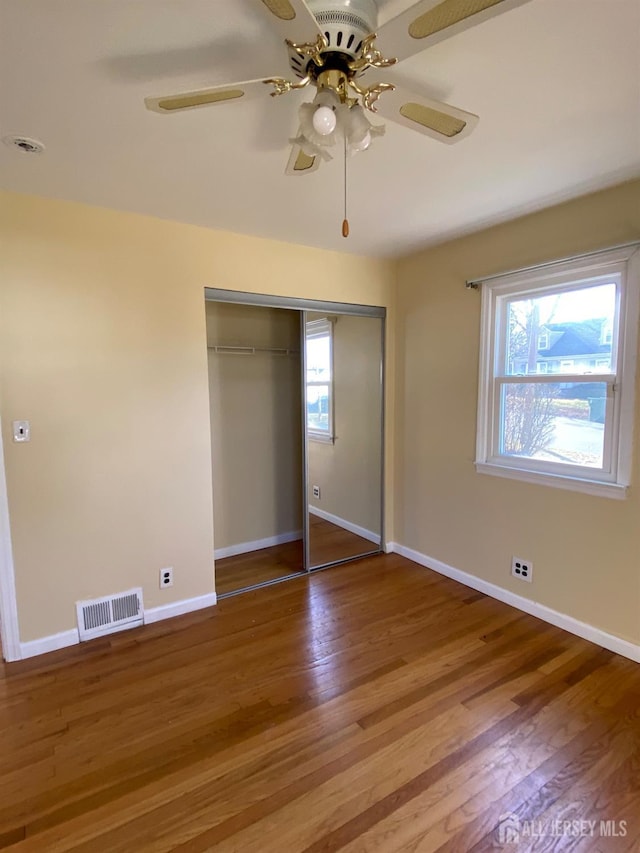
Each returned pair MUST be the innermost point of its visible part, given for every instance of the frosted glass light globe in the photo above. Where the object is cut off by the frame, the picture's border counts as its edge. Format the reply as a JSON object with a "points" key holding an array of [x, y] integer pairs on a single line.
{"points": [[324, 121], [363, 143]]}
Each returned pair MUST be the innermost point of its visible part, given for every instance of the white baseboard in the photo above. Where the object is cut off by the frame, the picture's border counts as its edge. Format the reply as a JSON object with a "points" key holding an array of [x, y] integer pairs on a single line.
{"points": [[534, 608], [49, 644], [179, 608], [257, 544], [154, 614], [347, 525]]}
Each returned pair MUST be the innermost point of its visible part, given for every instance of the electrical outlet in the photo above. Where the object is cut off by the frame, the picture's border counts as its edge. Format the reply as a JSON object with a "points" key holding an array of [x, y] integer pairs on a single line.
{"points": [[522, 569], [166, 578], [316, 492], [21, 431]]}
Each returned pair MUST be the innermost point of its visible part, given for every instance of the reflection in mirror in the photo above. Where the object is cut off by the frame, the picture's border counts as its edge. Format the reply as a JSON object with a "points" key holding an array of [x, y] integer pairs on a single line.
{"points": [[343, 363]]}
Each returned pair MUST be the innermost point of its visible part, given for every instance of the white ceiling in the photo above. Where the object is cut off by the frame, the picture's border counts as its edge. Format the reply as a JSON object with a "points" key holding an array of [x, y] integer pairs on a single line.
{"points": [[556, 84]]}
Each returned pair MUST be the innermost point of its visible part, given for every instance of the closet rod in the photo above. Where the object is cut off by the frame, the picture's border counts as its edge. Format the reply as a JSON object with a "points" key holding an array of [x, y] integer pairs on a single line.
{"points": [[225, 350]]}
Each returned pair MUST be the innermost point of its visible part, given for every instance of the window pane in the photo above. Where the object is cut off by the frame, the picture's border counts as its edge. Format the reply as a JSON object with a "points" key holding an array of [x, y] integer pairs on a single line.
{"points": [[319, 359], [568, 332], [318, 407], [555, 422]]}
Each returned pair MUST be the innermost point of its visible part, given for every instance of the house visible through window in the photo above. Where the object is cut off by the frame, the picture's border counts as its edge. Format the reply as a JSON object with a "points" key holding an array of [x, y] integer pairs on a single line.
{"points": [[557, 365], [319, 379]]}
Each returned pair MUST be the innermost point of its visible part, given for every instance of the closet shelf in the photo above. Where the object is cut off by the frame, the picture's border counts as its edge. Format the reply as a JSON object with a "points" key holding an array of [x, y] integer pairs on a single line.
{"points": [[226, 350]]}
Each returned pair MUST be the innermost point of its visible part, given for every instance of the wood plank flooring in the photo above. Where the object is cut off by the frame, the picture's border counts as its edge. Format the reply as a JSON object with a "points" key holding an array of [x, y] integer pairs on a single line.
{"points": [[254, 567], [372, 707], [328, 543]]}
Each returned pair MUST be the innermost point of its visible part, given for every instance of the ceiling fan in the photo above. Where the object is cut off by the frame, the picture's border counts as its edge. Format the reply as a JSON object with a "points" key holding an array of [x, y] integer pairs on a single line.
{"points": [[332, 44]]}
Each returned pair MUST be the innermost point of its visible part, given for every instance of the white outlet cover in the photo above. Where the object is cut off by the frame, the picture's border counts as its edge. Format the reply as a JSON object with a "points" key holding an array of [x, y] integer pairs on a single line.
{"points": [[166, 578], [21, 431], [522, 569]]}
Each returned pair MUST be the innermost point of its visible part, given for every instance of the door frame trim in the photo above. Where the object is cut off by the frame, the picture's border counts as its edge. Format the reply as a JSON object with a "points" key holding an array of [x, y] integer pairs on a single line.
{"points": [[9, 626]]}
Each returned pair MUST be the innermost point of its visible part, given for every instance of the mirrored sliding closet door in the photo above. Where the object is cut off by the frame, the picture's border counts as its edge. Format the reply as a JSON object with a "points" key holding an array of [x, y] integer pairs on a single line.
{"points": [[343, 394]]}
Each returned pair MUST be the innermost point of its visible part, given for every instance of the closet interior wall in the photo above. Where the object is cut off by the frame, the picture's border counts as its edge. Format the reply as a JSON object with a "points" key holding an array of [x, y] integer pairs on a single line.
{"points": [[256, 426]]}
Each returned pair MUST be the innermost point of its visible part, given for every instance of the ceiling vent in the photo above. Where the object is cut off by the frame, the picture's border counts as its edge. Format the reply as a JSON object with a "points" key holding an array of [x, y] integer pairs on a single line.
{"points": [[101, 616], [24, 144]]}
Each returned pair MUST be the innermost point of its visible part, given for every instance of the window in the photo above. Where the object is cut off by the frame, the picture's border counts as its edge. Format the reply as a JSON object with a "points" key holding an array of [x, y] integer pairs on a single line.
{"points": [[319, 379], [561, 426]]}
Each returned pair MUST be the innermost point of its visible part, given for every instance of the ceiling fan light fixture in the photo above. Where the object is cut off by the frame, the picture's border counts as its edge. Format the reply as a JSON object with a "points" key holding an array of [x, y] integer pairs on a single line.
{"points": [[324, 120], [310, 149], [362, 144], [316, 126], [358, 129], [327, 117]]}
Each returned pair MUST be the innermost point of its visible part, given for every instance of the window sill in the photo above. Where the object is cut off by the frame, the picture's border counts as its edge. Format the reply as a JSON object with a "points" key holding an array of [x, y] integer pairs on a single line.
{"points": [[556, 481]]}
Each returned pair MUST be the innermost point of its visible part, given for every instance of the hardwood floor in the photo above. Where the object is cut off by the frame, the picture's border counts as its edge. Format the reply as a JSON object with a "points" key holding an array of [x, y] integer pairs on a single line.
{"points": [[328, 543], [254, 567], [372, 707]]}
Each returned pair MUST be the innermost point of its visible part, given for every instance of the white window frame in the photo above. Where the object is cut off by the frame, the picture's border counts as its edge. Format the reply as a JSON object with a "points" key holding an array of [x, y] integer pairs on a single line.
{"points": [[621, 265], [319, 329]]}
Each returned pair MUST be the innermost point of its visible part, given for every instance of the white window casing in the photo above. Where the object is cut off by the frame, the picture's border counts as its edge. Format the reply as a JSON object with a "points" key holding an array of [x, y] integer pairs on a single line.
{"points": [[612, 478]]}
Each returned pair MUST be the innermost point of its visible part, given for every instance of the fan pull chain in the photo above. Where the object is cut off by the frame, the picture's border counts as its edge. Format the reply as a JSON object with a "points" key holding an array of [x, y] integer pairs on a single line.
{"points": [[345, 221]]}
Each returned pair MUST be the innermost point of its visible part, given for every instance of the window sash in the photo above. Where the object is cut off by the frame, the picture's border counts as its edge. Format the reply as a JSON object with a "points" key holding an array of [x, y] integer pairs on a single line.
{"points": [[502, 302], [605, 472]]}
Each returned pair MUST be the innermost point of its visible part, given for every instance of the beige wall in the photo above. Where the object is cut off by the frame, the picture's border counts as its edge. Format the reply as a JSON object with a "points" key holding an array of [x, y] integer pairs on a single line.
{"points": [[585, 550], [102, 342], [256, 423], [348, 471], [102, 347]]}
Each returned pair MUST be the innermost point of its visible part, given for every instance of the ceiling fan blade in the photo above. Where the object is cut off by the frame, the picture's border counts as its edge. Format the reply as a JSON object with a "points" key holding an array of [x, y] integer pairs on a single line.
{"points": [[293, 19], [432, 118], [300, 163], [431, 21], [246, 91]]}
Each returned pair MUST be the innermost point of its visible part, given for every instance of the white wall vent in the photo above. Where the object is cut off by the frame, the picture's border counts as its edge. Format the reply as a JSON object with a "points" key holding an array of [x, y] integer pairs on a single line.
{"points": [[101, 616]]}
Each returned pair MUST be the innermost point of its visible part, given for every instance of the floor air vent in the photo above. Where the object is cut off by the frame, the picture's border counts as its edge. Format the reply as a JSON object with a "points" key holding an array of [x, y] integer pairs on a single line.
{"points": [[102, 616]]}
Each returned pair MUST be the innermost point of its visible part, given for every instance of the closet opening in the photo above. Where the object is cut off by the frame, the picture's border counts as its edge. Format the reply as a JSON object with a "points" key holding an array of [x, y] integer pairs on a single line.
{"points": [[297, 435]]}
